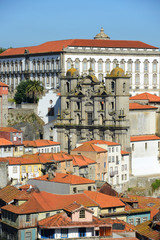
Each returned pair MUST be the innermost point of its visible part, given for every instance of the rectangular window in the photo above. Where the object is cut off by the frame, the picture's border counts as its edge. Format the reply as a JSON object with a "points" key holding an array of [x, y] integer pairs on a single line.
{"points": [[145, 67], [145, 146], [89, 118], [131, 221], [107, 67], [109, 159], [138, 221], [145, 219], [104, 164], [28, 218], [129, 67], [28, 235], [154, 67], [122, 167], [82, 213], [23, 169], [125, 166], [112, 158], [47, 215], [9, 149], [112, 149], [117, 161], [74, 190], [35, 168], [64, 233], [29, 169], [15, 169], [89, 188], [132, 146], [137, 66], [84, 66]]}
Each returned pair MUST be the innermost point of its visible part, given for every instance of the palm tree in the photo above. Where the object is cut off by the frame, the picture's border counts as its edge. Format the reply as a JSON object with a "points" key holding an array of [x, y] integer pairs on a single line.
{"points": [[34, 90]]}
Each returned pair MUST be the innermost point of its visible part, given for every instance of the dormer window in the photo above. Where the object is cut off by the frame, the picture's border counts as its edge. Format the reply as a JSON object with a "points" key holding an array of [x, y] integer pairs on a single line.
{"points": [[82, 213]]}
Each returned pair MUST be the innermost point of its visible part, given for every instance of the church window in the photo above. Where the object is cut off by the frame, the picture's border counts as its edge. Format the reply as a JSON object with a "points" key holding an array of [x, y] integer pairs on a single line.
{"points": [[137, 66], [154, 79], [100, 66], [78, 105], [129, 66], [85, 65], [89, 118], [146, 79], [137, 79], [154, 66], [67, 105], [68, 87], [112, 105], [122, 64], [124, 87], [102, 105], [108, 65], [112, 86], [115, 62], [146, 66], [77, 64]]}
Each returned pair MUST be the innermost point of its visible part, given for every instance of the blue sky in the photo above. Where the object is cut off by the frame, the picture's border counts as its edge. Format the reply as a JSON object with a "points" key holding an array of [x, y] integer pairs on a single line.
{"points": [[32, 22]]}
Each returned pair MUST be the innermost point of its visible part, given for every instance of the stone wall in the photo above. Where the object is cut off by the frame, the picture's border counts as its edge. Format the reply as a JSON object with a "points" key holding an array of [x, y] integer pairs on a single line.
{"points": [[3, 174]]}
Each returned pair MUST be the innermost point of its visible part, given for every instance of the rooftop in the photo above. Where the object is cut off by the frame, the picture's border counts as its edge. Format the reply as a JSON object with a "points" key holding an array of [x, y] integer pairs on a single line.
{"points": [[9, 129], [137, 106], [80, 160], [89, 147], [145, 230], [3, 84], [103, 200], [58, 46], [5, 142], [8, 193], [102, 142], [40, 143], [146, 96], [66, 178], [144, 138]]}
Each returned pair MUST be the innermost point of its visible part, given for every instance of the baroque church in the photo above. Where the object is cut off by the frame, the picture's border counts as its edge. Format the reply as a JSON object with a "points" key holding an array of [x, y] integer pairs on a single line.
{"points": [[93, 109]]}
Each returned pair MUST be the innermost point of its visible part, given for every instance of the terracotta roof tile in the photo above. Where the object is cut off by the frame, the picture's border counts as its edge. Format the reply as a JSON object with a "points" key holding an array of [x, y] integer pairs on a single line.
{"points": [[9, 129], [40, 143], [102, 142], [145, 229], [89, 147], [5, 142], [124, 153], [61, 220], [57, 46], [8, 193], [23, 160], [144, 138], [137, 106], [80, 160], [146, 96], [105, 201], [3, 84], [66, 178], [43, 202], [59, 157]]}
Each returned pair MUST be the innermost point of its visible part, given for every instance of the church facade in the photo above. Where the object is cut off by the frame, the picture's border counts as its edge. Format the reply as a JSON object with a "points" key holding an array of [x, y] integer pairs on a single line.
{"points": [[91, 109], [46, 62]]}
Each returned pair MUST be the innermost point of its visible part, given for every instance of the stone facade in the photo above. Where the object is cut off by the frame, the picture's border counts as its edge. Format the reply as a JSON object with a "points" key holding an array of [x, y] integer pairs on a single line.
{"points": [[3, 104], [91, 109]]}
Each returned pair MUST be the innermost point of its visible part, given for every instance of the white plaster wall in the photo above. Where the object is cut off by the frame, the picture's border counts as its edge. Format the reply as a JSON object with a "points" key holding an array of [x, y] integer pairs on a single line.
{"points": [[14, 175], [144, 161], [50, 131], [7, 153], [45, 103], [142, 122], [149, 55]]}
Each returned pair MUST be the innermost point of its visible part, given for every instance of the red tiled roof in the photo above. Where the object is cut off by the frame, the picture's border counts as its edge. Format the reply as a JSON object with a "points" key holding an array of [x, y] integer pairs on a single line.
{"points": [[8, 193], [43, 202], [102, 142], [5, 142], [40, 143], [127, 227], [66, 178], [72, 207], [23, 160], [61, 220], [89, 147], [57, 46], [9, 129], [105, 201], [3, 84], [124, 153], [144, 138], [144, 229], [137, 106], [146, 96], [59, 157], [80, 160]]}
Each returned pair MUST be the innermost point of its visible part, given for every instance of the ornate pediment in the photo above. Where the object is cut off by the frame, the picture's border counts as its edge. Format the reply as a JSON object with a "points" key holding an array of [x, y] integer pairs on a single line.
{"points": [[89, 104]]}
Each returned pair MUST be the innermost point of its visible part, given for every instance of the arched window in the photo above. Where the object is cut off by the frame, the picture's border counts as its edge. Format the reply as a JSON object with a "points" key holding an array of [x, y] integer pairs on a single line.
{"points": [[146, 79], [137, 79], [100, 77], [115, 62], [67, 105], [146, 64], [102, 105], [129, 65], [67, 87], [100, 65], [154, 80], [154, 66], [112, 86], [108, 65], [77, 64], [122, 64], [137, 65], [85, 65]]}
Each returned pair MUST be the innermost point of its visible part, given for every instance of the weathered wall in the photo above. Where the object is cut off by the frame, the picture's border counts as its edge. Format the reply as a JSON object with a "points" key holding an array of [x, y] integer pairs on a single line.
{"points": [[3, 174]]}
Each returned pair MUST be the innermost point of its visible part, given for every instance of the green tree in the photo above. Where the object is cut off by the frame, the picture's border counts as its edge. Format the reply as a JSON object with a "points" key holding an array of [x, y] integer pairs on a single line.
{"points": [[34, 90], [2, 50], [21, 95]]}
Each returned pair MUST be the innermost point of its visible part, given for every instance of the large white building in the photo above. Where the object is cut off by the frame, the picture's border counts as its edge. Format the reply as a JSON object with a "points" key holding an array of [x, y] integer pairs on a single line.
{"points": [[47, 61]]}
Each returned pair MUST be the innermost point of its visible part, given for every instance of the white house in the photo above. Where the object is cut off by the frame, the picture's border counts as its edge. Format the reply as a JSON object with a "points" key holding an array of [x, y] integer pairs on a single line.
{"points": [[6, 148], [41, 146], [48, 106], [45, 62], [145, 154]]}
